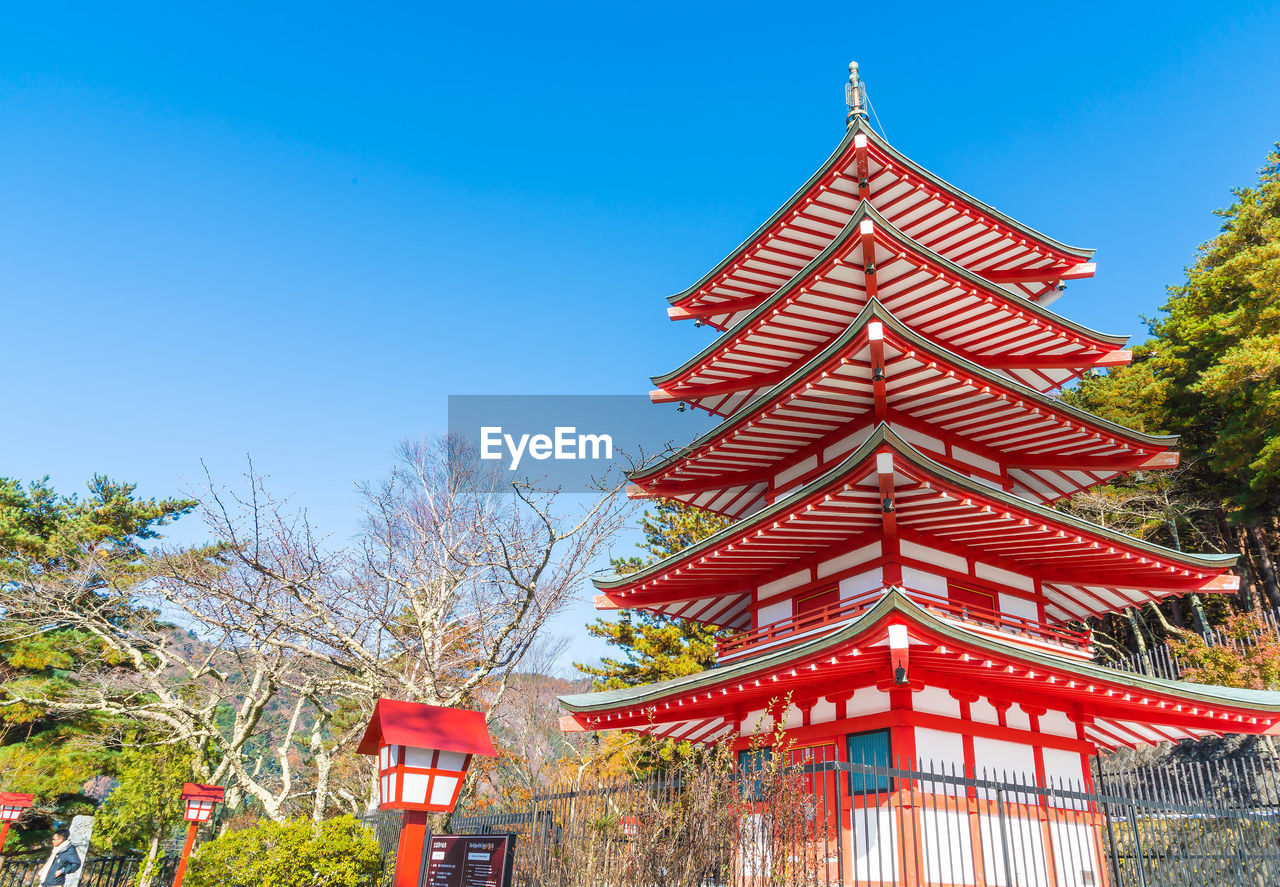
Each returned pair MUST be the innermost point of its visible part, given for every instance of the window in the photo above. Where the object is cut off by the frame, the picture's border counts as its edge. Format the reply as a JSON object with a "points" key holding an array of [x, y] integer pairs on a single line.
{"points": [[871, 748], [753, 760]]}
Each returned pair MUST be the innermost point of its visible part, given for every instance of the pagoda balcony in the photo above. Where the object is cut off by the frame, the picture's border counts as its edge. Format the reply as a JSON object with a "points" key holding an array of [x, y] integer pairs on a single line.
{"points": [[814, 624]]}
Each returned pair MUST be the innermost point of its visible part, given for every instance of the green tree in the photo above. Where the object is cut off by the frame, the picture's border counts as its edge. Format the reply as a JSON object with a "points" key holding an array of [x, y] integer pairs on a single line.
{"points": [[1211, 373], [43, 532], [337, 852], [653, 647], [656, 647], [145, 808], [1217, 350]]}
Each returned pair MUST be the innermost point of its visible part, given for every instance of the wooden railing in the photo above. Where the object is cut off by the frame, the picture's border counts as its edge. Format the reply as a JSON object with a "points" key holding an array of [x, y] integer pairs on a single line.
{"points": [[821, 621]]}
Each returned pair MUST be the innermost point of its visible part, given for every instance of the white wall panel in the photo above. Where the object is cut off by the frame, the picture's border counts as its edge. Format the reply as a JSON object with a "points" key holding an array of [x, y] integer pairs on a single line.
{"points": [[1075, 855], [928, 555], [937, 701], [875, 849], [919, 580], [848, 560], [1012, 605], [1003, 577], [947, 846], [1016, 849], [795, 471], [1016, 718], [786, 583], [852, 586], [1057, 724], [943, 753], [867, 701], [775, 612], [1004, 760], [824, 712]]}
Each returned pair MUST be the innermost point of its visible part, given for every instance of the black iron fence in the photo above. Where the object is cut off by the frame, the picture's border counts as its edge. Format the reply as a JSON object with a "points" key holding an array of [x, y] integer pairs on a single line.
{"points": [[1159, 661], [97, 871], [836, 823]]}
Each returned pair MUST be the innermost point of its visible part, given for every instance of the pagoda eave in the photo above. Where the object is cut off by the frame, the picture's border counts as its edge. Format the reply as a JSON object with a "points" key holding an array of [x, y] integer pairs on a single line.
{"points": [[880, 370], [963, 312], [1116, 708], [865, 167], [934, 502]]}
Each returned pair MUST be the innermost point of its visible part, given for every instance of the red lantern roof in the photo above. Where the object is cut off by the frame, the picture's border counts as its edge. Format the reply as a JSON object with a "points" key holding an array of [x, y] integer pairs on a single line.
{"points": [[193, 791], [15, 799], [426, 726]]}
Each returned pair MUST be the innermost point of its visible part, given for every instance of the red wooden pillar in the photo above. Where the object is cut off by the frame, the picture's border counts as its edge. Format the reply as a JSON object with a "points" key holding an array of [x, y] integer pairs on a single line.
{"points": [[970, 799], [902, 742], [186, 854], [844, 800], [1093, 813], [413, 837], [1048, 814]]}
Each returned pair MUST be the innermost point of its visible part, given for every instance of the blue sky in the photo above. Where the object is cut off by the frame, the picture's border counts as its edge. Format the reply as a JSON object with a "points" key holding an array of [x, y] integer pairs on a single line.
{"points": [[292, 232]]}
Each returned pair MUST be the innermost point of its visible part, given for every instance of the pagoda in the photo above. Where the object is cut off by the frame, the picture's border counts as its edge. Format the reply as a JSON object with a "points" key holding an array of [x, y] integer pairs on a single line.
{"points": [[890, 454]]}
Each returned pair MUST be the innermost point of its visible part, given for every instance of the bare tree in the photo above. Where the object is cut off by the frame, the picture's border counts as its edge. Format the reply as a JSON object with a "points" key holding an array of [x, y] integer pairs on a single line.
{"points": [[292, 640]]}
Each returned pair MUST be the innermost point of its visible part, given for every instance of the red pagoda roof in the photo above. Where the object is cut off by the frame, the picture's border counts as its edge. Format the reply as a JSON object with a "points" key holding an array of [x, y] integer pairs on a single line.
{"points": [[888, 489], [943, 302], [426, 726], [938, 215], [1118, 709], [972, 419]]}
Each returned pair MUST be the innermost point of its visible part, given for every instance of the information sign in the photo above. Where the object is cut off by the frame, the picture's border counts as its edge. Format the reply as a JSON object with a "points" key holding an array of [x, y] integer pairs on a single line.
{"points": [[469, 861]]}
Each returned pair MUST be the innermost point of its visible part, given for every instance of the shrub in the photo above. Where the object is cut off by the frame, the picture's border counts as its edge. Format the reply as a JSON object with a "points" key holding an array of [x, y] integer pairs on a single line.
{"points": [[300, 853], [1246, 654]]}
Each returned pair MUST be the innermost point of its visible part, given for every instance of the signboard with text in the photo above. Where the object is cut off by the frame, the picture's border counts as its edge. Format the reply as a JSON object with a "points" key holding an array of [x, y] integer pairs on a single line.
{"points": [[469, 861]]}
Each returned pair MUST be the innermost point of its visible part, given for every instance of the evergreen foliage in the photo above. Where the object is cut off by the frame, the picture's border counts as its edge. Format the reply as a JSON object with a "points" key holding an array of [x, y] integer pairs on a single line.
{"points": [[1217, 352], [42, 532], [338, 852], [1210, 373], [655, 647], [145, 807]]}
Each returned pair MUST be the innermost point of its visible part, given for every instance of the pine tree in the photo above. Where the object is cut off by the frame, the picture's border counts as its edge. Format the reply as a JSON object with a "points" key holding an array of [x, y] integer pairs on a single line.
{"points": [[1211, 373], [42, 532], [656, 647], [1217, 352], [145, 809]]}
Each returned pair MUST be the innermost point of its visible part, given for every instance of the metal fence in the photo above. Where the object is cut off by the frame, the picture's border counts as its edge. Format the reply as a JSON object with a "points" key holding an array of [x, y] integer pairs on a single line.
{"points": [[97, 871], [835, 823], [1160, 662]]}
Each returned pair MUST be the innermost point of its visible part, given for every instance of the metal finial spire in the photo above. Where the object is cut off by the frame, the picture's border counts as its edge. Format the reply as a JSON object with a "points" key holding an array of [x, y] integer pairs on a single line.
{"points": [[855, 96]]}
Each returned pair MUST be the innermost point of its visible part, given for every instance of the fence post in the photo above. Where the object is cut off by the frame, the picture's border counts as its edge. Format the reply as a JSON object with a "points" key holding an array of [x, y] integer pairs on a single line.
{"points": [[1139, 853], [1004, 834]]}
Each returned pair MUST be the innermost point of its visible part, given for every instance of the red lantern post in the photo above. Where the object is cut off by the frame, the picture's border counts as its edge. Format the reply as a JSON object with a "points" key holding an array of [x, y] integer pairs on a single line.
{"points": [[198, 801], [423, 754], [11, 806]]}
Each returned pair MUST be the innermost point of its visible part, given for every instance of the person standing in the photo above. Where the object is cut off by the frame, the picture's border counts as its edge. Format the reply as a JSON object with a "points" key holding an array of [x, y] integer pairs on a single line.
{"points": [[62, 861]]}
